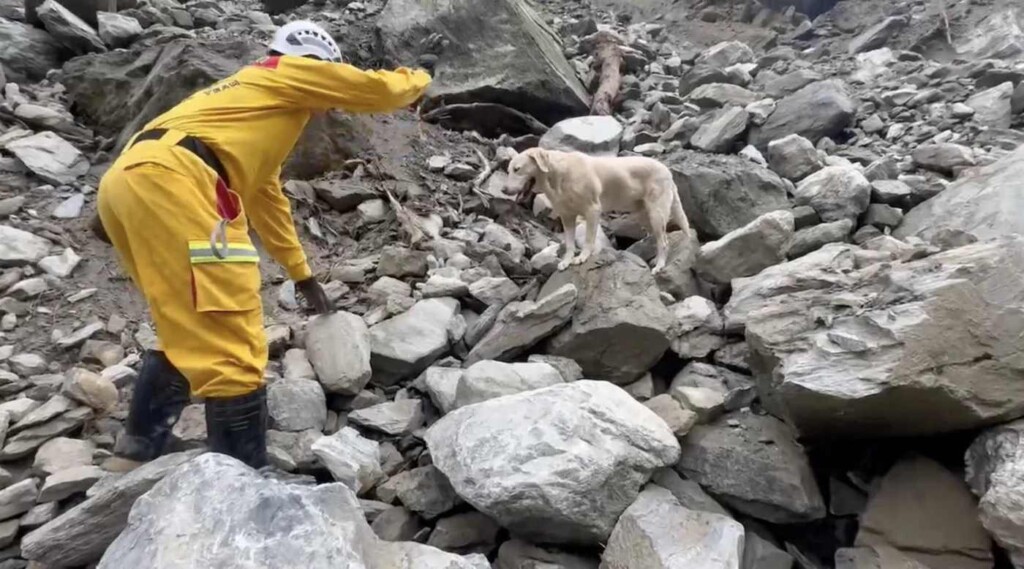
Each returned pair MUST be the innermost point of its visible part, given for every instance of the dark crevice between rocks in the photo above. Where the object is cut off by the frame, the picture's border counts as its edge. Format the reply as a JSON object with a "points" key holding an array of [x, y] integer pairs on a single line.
{"points": [[856, 463]]}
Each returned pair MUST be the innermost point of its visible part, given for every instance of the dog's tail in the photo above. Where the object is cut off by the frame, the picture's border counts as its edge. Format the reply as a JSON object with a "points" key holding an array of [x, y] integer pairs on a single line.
{"points": [[678, 214]]}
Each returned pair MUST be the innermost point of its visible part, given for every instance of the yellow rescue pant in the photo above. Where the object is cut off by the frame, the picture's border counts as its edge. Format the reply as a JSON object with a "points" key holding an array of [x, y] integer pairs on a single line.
{"points": [[158, 205]]}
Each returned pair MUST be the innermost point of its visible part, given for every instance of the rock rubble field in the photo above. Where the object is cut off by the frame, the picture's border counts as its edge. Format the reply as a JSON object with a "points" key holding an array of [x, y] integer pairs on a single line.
{"points": [[830, 376]]}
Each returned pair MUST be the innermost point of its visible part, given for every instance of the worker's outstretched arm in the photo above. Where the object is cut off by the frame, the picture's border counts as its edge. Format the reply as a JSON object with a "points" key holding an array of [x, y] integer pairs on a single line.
{"points": [[325, 85], [270, 214]]}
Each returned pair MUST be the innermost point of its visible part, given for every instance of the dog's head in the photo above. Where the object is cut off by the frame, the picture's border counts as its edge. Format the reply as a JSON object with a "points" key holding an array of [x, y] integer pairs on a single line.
{"points": [[524, 170]]}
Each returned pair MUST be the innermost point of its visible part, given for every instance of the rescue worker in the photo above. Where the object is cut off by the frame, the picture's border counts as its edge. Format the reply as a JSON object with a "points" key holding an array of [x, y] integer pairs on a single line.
{"points": [[177, 205]]}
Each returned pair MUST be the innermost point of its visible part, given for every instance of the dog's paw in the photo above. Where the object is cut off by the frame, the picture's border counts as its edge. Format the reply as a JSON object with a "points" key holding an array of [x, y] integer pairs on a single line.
{"points": [[563, 265], [580, 260], [657, 269]]}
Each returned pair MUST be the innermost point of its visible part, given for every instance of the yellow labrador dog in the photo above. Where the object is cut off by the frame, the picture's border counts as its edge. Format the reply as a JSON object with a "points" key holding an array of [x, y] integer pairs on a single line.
{"points": [[581, 185]]}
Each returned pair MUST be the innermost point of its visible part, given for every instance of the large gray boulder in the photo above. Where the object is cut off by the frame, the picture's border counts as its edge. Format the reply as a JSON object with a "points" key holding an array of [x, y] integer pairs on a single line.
{"points": [[553, 465], [747, 250], [983, 204], [595, 135], [80, 535], [619, 305], [998, 36], [722, 193], [212, 512], [70, 30], [488, 51], [27, 53], [753, 464], [818, 110], [929, 514], [407, 344], [915, 348], [656, 532], [995, 473]]}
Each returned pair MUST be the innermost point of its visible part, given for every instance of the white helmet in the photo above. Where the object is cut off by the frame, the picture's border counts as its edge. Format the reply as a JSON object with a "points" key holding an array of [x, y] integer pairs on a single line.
{"points": [[303, 38]]}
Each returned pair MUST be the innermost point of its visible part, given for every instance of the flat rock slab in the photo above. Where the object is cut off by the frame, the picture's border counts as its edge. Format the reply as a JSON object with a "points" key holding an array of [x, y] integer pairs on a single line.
{"points": [[50, 157], [405, 345], [521, 459], [521, 325], [19, 247], [393, 417]]}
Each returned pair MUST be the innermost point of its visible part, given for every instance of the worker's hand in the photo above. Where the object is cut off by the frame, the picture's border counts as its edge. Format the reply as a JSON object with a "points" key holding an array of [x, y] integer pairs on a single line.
{"points": [[96, 225], [314, 295]]}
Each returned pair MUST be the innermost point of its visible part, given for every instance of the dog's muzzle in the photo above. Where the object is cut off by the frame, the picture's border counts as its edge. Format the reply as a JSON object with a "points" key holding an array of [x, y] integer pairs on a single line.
{"points": [[514, 190]]}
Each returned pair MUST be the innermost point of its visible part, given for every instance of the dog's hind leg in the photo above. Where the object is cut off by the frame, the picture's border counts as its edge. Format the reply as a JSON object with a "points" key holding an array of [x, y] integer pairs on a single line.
{"points": [[569, 239], [658, 213]]}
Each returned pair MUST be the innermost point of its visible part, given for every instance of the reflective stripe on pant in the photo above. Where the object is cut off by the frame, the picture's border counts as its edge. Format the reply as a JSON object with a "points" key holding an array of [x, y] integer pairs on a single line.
{"points": [[158, 208]]}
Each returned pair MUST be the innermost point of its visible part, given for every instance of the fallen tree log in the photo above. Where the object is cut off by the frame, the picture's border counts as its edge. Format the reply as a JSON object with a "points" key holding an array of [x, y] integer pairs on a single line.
{"points": [[607, 49]]}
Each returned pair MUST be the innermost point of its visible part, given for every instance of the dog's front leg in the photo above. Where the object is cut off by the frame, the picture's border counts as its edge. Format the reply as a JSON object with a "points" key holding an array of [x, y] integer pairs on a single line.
{"points": [[569, 238], [593, 218]]}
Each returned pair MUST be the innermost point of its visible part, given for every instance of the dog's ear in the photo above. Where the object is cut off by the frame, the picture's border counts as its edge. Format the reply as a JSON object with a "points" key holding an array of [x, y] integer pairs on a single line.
{"points": [[542, 159]]}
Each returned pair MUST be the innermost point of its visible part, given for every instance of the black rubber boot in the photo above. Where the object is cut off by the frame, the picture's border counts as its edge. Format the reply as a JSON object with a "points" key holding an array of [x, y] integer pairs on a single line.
{"points": [[237, 427], [161, 393]]}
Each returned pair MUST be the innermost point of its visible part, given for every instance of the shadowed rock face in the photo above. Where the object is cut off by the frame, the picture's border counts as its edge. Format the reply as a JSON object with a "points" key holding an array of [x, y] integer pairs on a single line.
{"points": [[514, 60], [650, 8], [813, 8], [119, 92]]}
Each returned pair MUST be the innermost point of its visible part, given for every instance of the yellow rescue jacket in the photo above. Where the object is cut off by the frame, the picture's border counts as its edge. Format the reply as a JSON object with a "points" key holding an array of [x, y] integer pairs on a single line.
{"points": [[253, 119]]}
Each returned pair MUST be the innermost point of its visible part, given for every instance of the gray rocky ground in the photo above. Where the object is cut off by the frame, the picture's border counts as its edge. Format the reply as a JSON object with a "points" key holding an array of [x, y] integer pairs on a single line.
{"points": [[831, 377]]}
